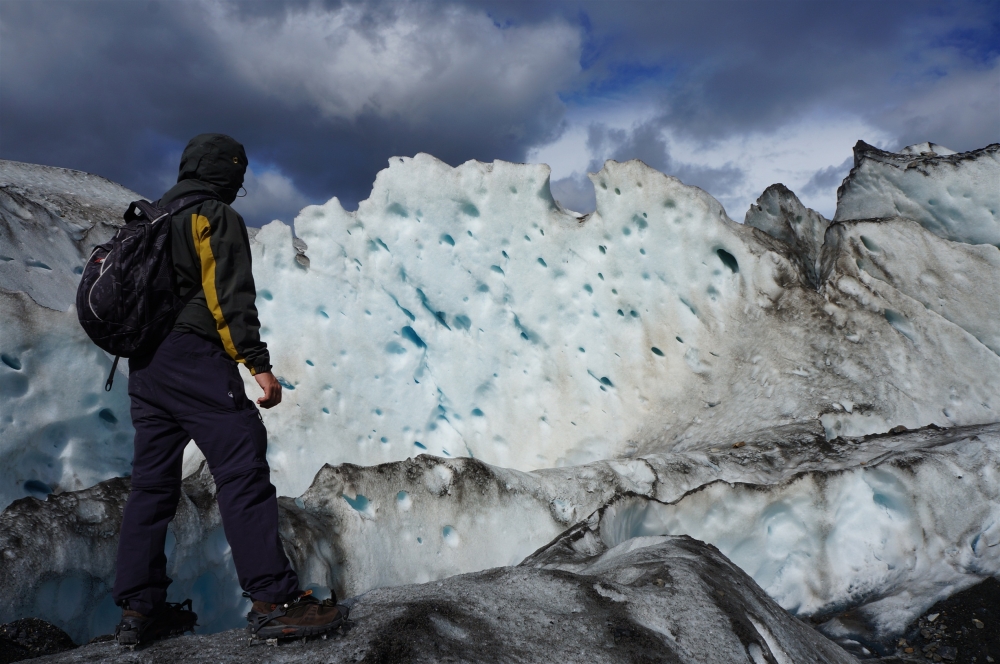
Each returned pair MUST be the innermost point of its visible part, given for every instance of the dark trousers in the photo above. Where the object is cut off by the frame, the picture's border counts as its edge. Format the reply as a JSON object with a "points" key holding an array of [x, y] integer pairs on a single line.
{"points": [[190, 389]]}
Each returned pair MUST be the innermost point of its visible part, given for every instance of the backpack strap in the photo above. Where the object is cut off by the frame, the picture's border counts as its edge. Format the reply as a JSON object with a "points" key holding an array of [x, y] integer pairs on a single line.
{"points": [[154, 212]]}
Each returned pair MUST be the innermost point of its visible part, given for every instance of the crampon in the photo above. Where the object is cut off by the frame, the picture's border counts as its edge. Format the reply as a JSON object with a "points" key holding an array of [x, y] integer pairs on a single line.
{"points": [[302, 617], [171, 619]]}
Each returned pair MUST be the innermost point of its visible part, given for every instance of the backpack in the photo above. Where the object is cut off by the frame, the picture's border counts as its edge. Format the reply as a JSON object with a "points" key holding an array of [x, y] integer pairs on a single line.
{"points": [[127, 300]]}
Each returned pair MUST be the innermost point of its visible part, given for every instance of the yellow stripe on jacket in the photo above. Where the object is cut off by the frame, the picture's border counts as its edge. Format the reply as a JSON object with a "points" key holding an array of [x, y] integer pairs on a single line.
{"points": [[201, 230]]}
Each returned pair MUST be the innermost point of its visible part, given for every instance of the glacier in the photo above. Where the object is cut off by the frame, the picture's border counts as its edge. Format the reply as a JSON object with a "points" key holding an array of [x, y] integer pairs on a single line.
{"points": [[473, 372]]}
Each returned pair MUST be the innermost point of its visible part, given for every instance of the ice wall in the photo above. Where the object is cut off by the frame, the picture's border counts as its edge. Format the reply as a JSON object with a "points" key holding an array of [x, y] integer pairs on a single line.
{"points": [[461, 312], [59, 429], [954, 195]]}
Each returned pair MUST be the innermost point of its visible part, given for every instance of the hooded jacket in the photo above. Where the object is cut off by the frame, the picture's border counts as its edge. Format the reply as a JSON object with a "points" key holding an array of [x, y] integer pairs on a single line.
{"points": [[211, 252]]}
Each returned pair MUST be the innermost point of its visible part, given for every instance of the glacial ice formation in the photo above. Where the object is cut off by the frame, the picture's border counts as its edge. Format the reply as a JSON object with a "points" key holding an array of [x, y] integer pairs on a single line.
{"points": [[461, 312], [662, 599], [59, 429], [595, 372], [953, 195], [869, 524]]}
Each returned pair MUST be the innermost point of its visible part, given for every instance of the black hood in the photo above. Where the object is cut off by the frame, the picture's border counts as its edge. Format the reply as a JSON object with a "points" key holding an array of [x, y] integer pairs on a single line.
{"points": [[217, 160]]}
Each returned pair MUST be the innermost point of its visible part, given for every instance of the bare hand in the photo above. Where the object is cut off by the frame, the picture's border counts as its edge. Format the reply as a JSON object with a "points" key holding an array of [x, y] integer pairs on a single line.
{"points": [[271, 387]]}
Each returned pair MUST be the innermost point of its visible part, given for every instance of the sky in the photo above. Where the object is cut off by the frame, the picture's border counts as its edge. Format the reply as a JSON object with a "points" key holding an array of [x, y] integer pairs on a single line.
{"points": [[730, 96]]}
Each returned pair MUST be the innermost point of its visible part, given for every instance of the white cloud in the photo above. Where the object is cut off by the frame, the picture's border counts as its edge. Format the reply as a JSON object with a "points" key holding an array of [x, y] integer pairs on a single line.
{"points": [[791, 154], [270, 195], [410, 64]]}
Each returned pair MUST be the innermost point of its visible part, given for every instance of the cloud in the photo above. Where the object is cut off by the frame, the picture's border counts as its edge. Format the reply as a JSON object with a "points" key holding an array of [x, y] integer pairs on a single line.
{"points": [[828, 178], [270, 195], [729, 95]]}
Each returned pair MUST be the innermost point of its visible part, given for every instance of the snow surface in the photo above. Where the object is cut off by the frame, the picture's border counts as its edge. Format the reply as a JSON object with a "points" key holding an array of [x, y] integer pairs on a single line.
{"points": [[956, 196]]}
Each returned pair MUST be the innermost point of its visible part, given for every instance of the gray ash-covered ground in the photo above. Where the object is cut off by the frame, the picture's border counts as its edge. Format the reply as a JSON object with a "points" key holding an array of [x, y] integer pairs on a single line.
{"points": [[30, 637], [963, 629]]}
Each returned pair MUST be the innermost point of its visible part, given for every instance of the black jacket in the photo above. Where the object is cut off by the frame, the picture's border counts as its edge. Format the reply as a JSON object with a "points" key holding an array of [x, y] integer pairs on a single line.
{"points": [[211, 252]]}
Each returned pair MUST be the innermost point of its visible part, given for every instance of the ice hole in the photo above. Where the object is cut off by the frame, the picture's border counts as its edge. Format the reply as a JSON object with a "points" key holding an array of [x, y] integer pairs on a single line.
{"points": [[497, 269], [626, 231], [602, 248], [322, 313], [470, 209], [656, 351], [642, 251], [285, 384], [600, 276], [383, 439], [37, 486], [11, 361], [541, 261], [582, 350], [588, 288], [615, 291], [618, 191], [621, 313], [527, 238], [310, 363], [417, 443], [669, 203], [870, 244], [900, 323], [326, 410], [606, 381], [634, 313], [679, 339], [394, 348], [108, 416], [78, 269], [403, 500], [397, 209], [447, 239], [513, 189], [463, 322], [35, 263], [360, 503], [410, 335], [450, 536], [477, 412], [728, 260], [640, 222], [483, 288]]}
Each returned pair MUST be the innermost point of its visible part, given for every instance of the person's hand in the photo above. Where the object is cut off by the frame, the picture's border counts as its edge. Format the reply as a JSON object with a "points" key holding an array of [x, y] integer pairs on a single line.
{"points": [[271, 387]]}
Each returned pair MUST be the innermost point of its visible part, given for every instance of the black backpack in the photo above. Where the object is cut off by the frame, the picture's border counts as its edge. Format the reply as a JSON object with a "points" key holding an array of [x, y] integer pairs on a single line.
{"points": [[127, 300]]}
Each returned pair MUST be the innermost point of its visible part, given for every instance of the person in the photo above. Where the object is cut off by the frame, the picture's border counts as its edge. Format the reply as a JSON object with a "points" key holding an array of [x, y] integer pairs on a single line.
{"points": [[190, 388]]}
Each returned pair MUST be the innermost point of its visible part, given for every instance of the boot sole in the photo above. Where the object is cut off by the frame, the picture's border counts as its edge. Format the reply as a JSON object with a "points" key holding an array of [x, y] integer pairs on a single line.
{"points": [[293, 631]]}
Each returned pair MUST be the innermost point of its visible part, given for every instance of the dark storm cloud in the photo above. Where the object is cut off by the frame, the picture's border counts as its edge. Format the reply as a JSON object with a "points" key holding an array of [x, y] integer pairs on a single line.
{"points": [[117, 87], [719, 68], [127, 83]]}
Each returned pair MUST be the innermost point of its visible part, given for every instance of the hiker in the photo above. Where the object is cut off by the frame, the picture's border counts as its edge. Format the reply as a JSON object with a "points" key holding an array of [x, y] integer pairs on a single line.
{"points": [[190, 387]]}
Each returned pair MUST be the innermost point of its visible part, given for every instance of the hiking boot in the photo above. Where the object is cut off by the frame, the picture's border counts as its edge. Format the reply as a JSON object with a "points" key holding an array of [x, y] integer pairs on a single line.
{"points": [[304, 616], [169, 620]]}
